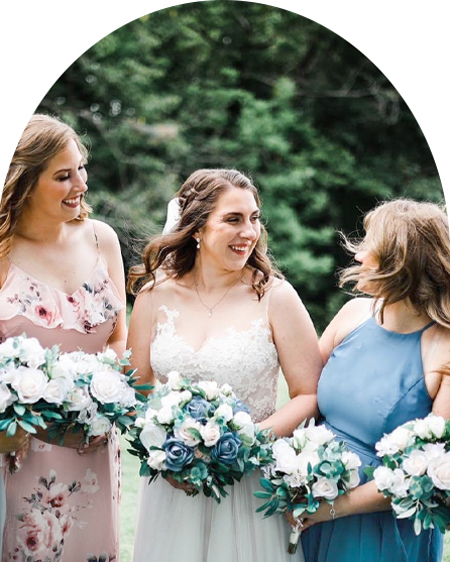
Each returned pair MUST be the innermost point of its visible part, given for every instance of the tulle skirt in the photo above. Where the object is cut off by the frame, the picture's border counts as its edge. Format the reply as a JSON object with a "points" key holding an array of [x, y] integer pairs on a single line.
{"points": [[172, 526]]}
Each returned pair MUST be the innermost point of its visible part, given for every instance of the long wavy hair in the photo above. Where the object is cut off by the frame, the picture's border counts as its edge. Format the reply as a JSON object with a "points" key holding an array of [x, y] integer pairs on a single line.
{"points": [[174, 253], [43, 138], [411, 243]]}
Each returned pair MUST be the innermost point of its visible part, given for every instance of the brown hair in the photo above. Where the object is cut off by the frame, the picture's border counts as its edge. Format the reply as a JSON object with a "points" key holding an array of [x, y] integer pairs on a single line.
{"points": [[175, 252], [43, 138], [411, 243]]}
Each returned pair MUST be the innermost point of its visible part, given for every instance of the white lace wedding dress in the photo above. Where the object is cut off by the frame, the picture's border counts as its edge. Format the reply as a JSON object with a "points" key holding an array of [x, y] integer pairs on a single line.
{"points": [[173, 527]]}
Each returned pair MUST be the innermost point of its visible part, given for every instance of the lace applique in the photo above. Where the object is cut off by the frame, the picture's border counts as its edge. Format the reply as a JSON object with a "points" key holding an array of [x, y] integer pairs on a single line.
{"points": [[94, 303], [247, 360]]}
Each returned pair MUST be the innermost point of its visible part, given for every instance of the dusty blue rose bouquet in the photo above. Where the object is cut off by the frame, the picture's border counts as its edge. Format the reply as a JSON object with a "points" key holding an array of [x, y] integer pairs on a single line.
{"points": [[198, 434]]}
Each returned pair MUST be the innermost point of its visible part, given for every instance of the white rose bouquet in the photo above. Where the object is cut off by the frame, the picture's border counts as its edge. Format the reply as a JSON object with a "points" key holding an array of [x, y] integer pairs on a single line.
{"points": [[416, 472], [198, 434], [307, 468]]}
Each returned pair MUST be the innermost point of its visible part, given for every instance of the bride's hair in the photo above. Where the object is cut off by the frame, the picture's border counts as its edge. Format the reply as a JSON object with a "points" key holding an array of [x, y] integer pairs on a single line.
{"points": [[43, 138], [410, 241], [174, 253]]}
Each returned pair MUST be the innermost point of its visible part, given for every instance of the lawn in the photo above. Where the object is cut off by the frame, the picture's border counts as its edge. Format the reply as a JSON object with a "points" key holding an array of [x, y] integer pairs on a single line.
{"points": [[130, 487]]}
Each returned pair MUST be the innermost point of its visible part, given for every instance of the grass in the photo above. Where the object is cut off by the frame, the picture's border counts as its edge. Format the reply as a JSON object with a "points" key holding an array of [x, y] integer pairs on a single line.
{"points": [[130, 487]]}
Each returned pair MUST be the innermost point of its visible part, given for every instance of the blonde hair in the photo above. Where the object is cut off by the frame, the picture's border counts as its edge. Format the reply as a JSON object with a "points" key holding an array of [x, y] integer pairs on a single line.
{"points": [[410, 241], [175, 253], [43, 138]]}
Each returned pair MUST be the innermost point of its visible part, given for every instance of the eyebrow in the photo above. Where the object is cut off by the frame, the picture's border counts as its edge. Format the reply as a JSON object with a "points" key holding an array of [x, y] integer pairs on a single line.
{"points": [[82, 163], [237, 213]]}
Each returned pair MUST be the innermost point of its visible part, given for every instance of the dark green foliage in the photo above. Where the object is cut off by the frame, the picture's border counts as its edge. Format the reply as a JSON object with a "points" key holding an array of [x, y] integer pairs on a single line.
{"points": [[320, 129]]}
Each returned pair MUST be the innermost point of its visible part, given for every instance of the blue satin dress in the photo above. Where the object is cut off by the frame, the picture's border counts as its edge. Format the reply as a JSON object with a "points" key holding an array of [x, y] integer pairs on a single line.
{"points": [[372, 383]]}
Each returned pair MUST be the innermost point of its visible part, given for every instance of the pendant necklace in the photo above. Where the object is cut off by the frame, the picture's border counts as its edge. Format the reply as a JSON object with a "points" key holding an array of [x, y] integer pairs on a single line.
{"points": [[211, 308]]}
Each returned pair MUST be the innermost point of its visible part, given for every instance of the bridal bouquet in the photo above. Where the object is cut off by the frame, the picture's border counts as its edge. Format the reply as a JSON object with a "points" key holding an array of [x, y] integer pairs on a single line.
{"points": [[78, 391], [198, 434], [307, 468], [416, 472]]}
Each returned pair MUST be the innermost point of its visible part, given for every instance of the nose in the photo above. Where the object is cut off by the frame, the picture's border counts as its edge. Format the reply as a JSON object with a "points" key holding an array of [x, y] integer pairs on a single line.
{"points": [[80, 181], [249, 231]]}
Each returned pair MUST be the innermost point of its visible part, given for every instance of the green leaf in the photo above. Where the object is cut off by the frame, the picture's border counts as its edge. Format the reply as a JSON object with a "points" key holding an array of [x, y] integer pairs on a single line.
{"points": [[26, 426]]}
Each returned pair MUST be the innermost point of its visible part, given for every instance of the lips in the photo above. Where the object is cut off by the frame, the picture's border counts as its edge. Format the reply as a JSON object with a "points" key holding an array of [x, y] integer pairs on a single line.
{"points": [[240, 249], [73, 203]]}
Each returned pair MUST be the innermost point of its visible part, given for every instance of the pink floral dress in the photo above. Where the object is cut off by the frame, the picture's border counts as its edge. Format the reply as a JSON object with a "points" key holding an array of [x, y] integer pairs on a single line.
{"points": [[62, 506]]}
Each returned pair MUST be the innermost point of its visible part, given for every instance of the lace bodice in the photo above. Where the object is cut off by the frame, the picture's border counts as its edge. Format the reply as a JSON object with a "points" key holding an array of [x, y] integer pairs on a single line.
{"points": [[247, 360]]}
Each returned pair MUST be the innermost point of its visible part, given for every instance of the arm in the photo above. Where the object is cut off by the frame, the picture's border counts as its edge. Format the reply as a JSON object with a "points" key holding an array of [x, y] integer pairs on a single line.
{"points": [[298, 351], [140, 336], [14, 443], [110, 250]]}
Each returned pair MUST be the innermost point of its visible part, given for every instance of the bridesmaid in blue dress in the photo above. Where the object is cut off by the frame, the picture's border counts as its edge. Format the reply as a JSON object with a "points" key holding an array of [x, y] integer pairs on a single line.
{"points": [[386, 360]]}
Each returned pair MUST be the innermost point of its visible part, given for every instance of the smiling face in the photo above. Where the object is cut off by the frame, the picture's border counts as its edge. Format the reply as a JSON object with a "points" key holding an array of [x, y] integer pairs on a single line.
{"points": [[59, 189], [231, 231]]}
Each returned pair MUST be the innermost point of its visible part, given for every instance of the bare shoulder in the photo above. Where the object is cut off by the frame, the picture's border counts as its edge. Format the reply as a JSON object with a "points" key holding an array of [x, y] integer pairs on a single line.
{"points": [[107, 237], [350, 316], [281, 291]]}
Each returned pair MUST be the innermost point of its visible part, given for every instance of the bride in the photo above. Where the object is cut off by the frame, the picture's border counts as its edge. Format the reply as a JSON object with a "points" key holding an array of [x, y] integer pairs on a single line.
{"points": [[212, 306]]}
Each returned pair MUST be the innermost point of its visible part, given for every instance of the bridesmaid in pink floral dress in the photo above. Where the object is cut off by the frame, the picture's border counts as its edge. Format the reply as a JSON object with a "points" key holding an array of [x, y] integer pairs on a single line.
{"points": [[61, 281]]}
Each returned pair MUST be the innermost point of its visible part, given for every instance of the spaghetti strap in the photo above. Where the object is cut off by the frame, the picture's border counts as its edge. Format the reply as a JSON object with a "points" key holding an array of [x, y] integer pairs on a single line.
{"points": [[432, 323], [96, 238]]}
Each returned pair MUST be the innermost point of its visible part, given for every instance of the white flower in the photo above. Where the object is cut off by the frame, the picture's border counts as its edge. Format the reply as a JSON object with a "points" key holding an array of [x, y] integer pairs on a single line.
{"points": [[439, 471], [226, 390], [394, 442], [174, 398], [88, 414], [437, 425], [434, 450], [185, 434], [6, 398], [29, 384], [90, 482], [304, 459], [108, 354], [416, 463], [350, 460], [152, 435], [285, 456], [384, 477], [224, 411], [245, 427], [56, 391], [32, 353], [156, 459], [299, 438], [353, 480], [422, 429], [319, 434], [99, 426], [325, 488], [400, 485], [151, 414], [210, 433], [139, 422], [106, 386], [127, 396], [165, 415], [174, 380], [78, 399], [210, 388], [185, 396], [242, 419]]}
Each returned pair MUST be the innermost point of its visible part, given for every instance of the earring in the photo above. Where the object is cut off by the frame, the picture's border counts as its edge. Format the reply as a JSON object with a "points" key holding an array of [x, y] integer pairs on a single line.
{"points": [[198, 243]]}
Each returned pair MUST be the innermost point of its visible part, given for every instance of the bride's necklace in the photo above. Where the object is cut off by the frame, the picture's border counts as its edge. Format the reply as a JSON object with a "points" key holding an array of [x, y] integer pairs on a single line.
{"points": [[211, 308]]}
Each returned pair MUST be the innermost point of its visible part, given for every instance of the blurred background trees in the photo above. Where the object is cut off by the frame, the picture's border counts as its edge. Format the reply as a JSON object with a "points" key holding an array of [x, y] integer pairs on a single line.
{"points": [[320, 129]]}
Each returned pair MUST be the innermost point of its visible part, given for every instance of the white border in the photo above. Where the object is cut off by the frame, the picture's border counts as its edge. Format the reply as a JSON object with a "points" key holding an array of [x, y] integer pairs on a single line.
{"points": [[408, 41]]}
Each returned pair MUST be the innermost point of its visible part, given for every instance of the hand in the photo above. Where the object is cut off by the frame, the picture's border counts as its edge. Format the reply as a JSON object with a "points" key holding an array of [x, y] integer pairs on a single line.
{"points": [[75, 440], [93, 444], [14, 443], [307, 520], [188, 488]]}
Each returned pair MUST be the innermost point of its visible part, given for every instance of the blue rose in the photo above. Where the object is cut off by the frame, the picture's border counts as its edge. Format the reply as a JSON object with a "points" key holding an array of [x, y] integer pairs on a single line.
{"points": [[198, 408], [178, 455], [227, 448], [240, 406]]}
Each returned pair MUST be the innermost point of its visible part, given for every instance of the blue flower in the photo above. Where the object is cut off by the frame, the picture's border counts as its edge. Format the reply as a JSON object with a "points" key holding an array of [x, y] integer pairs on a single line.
{"points": [[227, 448], [178, 454], [198, 408], [240, 406]]}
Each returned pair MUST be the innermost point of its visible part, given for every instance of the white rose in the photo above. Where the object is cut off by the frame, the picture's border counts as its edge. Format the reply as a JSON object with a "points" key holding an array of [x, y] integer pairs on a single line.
{"points": [[350, 460], [174, 380], [32, 352], [29, 384], [401, 437], [78, 399], [434, 450], [210, 388], [247, 434], [106, 386], [299, 438], [226, 390], [416, 463], [242, 419], [156, 459], [325, 488], [99, 426], [422, 429], [185, 396], [224, 411], [319, 434], [384, 477], [7, 349], [285, 456], [139, 422], [354, 480], [108, 354], [437, 425], [184, 432], [400, 485], [6, 398], [172, 399], [56, 391], [210, 433], [7, 374], [165, 415], [127, 396], [152, 435], [150, 414], [88, 414], [304, 459], [439, 471]]}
